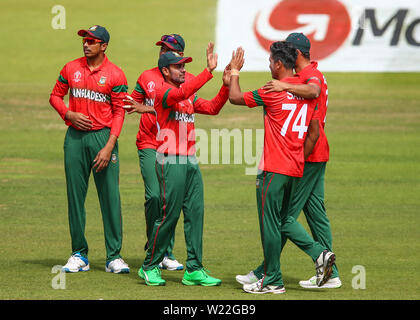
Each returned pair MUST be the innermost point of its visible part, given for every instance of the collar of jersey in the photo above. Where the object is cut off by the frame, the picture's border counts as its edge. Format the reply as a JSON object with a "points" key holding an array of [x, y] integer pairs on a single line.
{"points": [[84, 63]]}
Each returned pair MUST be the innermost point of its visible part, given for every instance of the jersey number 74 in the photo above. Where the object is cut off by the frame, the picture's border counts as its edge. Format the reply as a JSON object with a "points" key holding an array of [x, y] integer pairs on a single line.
{"points": [[299, 125]]}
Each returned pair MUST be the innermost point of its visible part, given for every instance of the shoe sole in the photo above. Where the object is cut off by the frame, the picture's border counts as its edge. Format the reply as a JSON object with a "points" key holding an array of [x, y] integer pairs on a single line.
{"points": [[193, 283], [121, 271], [151, 283], [264, 292], [308, 285], [83, 269], [327, 270], [325, 286]]}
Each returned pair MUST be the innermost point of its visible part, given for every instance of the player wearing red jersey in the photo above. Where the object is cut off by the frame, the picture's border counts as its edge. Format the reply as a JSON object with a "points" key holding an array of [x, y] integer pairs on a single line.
{"points": [[309, 195], [95, 117], [148, 83], [181, 185], [287, 118]]}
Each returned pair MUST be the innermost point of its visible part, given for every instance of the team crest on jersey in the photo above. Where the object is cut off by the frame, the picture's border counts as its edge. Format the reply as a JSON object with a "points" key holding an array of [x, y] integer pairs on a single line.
{"points": [[77, 76], [102, 81], [114, 158], [151, 86]]}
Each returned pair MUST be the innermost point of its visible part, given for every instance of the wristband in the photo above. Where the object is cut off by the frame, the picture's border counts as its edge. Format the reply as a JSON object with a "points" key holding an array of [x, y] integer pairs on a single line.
{"points": [[234, 72]]}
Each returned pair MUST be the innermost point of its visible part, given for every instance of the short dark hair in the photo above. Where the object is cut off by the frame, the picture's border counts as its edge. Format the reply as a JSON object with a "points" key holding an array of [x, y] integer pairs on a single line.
{"points": [[306, 55], [285, 52]]}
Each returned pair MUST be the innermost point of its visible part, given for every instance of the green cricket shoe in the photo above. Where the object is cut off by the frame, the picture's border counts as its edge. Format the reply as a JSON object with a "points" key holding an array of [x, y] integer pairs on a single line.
{"points": [[200, 277], [152, 277]]}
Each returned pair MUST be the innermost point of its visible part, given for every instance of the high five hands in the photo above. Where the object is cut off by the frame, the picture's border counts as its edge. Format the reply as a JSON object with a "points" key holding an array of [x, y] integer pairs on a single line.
{"points": [[211, 57], [237, 61]]}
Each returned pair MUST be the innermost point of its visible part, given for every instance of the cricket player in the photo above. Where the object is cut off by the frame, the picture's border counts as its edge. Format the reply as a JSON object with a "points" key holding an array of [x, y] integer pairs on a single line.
{"points": [[288, 120], [309, 195], [147, 85], [94, 118], [181, 185]]}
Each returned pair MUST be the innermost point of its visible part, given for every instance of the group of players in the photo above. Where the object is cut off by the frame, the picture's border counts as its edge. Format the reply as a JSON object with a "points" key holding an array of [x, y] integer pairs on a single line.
{"points": [[291, 171]]}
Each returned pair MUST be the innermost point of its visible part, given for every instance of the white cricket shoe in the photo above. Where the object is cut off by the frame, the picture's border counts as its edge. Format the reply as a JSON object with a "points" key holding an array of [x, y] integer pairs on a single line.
{"points": [[311, 283], [257, 288], [117, 266], [323, 267], [76, 263], [171, 265], [247, 279]]}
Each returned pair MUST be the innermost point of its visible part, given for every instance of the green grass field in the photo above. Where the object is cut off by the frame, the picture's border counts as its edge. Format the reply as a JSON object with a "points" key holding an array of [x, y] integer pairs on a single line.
{"points": [[372, 180]]}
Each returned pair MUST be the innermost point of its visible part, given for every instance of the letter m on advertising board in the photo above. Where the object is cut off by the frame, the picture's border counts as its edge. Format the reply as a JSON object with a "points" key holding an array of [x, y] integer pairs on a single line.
{"points": [[345, 35]]}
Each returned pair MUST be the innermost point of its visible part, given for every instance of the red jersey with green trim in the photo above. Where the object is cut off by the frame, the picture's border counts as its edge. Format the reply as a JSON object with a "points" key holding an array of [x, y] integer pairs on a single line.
{"points": [[310, 74], [145, 92], [97, 94], [175, 113], [286, 121]]}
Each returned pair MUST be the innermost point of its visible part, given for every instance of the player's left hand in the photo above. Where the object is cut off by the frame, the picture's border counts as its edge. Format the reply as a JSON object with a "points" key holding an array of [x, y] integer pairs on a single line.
{"points": [[132, 106], [226, 76], [102, 159], [275, 86]]}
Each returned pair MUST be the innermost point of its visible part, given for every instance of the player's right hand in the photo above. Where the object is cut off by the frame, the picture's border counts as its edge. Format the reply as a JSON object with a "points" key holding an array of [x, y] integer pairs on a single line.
{"points": [[238, 60], [79, 120]]}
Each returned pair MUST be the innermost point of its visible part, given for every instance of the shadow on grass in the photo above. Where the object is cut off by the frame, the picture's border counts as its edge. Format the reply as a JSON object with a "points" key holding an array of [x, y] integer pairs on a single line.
{"points": [[95, 265], [290, 283], [48, 263]]}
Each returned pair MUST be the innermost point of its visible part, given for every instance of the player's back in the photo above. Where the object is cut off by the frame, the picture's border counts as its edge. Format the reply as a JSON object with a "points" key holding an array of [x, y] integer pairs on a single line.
{"points": [[286, 121]]}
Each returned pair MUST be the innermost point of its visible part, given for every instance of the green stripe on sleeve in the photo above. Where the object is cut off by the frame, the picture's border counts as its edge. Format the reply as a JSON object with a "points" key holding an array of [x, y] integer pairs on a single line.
{"points": [[139, 89], [121, 88], [165, 96], [314, 78], [257, 98], [195, 99], [62, 79]]}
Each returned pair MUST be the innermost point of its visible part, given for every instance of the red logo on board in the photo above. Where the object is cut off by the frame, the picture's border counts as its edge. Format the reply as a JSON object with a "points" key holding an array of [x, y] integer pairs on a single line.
{"points": [[325, 22]]}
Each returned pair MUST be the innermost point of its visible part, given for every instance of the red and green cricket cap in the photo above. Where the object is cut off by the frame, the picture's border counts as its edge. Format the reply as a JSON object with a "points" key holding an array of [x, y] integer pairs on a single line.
{"points": [[97, 32], [170, 57], [300, 42], [173, 41]]}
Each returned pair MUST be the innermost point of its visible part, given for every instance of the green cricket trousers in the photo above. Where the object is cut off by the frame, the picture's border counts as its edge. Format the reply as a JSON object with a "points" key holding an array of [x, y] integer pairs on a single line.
{"points": [[80, 148], [147, 159], [309, 197], [274, 195], [181, 188]]}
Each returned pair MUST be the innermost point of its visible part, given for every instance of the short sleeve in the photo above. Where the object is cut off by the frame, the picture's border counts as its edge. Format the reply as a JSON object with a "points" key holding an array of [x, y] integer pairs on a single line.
{"points": [[253, 98]]}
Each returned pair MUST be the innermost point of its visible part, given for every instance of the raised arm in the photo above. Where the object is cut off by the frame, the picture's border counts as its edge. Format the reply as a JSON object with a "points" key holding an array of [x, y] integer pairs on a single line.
{"points": [[235, 94], [213, 106], [174, 95]]}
